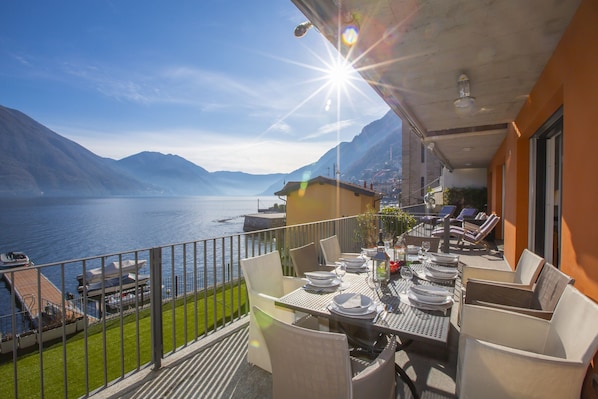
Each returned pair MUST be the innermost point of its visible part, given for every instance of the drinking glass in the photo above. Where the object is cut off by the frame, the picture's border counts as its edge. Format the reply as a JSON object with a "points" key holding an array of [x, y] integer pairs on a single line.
{"points": [[340, 270], [374, 284], [426, 247], [406, 272]]}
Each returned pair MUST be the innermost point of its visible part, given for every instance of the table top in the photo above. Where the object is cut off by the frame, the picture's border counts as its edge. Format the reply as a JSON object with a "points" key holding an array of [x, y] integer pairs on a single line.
{"points": [[404, 320]]}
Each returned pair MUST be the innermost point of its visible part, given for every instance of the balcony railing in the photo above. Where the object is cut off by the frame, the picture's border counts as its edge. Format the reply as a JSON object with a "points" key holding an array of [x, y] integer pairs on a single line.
{"points": [[77, 345]]}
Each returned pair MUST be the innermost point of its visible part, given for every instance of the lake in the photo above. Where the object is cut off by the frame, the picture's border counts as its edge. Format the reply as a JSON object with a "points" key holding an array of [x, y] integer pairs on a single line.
{"points": [[58, 229]]}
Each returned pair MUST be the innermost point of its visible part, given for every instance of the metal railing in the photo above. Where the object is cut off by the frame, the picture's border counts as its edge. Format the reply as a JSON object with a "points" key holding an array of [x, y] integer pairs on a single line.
{"points": [[195, 288]]}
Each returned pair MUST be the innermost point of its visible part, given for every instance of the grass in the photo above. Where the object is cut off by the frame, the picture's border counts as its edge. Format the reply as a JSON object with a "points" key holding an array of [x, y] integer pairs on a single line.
{"points": [[119, 343]]}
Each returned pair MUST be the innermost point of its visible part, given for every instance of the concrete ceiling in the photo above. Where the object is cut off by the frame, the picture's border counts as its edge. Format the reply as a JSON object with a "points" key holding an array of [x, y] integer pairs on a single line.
{"points": [[413, 51]]}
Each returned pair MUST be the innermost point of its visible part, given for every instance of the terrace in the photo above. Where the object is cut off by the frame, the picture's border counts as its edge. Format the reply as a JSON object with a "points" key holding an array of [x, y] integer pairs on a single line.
{"points": [[190, 338], [216, 367]]}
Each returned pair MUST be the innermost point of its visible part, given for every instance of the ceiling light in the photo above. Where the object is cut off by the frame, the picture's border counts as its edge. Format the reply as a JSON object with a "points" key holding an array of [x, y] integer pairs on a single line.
{"points": [[302, 28], [465, 100]]}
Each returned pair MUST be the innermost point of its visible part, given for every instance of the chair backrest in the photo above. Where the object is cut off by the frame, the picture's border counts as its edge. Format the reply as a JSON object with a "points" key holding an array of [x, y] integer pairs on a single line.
{"points": [[263, 274], [549, 288], [417, 240], [573, 332], [306, 363], [466, 213], [447, 211], [528, 268], [331, 249], [305, 259], [486, 227]]}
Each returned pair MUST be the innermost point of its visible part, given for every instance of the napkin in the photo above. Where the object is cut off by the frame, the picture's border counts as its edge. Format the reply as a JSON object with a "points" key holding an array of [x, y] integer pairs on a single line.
{"points": [[353, 301], [430, 291]]}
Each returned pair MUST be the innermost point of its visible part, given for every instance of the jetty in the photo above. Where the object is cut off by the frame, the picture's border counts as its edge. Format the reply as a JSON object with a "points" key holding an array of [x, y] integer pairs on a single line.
{"points": [[262, 221], [25, 285]]}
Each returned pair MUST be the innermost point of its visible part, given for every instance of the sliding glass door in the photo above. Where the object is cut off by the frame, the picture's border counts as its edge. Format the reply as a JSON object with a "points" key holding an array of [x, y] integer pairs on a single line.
{"points": [[546, 181]]}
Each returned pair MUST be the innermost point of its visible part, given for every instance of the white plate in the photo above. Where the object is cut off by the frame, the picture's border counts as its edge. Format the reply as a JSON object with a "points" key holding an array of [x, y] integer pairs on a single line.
{"points": [[444, 258], [341, 299], [426, 298], [413, 249], [431, 290], [361, 268], [418, 299], [324, 283], [320, 276], [371, 252], [442, 277], [370, 312], [353, 261], [441, 273], [441, 269]]}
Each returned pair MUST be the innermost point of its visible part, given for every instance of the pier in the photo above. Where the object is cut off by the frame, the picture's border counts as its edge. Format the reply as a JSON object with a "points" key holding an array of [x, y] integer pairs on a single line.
{"points": [[25, 284], [262, 221]]}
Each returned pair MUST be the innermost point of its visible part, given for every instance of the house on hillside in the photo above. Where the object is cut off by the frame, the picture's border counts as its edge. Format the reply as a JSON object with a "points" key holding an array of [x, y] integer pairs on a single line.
{"points": [[322, 198]]}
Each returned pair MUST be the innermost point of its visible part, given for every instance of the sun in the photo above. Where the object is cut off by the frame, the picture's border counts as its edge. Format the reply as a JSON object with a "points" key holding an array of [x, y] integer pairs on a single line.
{"points": [[339, 73]]}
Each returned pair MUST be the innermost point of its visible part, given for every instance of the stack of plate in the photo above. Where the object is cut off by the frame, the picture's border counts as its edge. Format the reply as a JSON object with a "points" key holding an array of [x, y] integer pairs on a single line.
{"points": [[430, 296], [371, 252], [355, 264], [413, 249], [354, 305], [440, 272], [322, 279], [444, 259]]}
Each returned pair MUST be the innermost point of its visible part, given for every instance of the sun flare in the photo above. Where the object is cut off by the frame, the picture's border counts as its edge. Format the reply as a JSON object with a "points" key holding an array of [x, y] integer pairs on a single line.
{"points": [[339, 74]]}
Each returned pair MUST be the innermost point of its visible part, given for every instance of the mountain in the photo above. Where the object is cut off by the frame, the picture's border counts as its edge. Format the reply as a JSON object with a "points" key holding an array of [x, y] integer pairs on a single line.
{"points": [[177, 176], [171, 173], [361, 159], [36, 161]]}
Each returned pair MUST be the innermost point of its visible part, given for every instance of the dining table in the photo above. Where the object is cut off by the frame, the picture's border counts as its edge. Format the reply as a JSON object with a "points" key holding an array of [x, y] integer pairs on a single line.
{"points": [[396, 313]]}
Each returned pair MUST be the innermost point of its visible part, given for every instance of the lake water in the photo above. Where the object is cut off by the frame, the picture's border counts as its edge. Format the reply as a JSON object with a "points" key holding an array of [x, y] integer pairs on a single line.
{"points": [[58, 229]]}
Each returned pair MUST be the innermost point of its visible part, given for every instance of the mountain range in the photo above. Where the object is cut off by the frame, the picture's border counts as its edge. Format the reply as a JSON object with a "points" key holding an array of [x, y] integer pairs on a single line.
{"points": [[37, 161]]}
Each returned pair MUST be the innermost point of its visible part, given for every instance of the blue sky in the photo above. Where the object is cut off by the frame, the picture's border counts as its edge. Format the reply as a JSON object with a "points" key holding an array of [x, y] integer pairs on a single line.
{"points": [[224, 84]]}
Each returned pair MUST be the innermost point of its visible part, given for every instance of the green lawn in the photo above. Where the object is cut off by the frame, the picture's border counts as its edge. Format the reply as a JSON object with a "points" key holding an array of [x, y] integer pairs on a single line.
{"points": [[28, 365]]}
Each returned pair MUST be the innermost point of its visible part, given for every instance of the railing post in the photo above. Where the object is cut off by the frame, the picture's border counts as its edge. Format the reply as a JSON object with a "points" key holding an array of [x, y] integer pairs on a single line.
{"points": [[446, 237], [156, 306]]}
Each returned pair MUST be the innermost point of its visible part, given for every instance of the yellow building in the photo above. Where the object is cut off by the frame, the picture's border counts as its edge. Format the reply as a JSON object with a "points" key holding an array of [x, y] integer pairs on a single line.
{"points": [[322, 198]]}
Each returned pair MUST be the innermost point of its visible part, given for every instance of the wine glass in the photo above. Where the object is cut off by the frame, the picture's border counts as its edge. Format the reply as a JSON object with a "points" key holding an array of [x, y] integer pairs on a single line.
{"points": [[374, 284], [340, 270], [426, 247], [406, 272]]}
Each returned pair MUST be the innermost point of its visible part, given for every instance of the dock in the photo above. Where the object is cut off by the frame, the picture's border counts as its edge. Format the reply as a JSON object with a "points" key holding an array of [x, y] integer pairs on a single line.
{"points": [[26, 291], [264, 220]]}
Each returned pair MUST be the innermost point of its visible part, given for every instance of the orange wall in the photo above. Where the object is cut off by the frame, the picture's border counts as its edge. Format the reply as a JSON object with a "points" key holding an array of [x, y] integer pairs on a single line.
{"points": [[570, 79]]}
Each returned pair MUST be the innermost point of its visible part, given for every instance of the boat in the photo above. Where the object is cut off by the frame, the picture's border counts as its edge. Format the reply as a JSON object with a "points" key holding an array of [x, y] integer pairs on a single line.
{"points": [[111, 270], [113, 285], [129, 298], [14, 259]]}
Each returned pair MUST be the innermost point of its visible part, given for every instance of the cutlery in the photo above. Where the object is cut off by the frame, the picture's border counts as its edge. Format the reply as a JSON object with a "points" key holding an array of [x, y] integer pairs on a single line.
{"points": [[378, 313]]}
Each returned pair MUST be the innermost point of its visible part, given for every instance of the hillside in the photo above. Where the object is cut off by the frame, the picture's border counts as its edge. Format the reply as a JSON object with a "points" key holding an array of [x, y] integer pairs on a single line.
{"points": [[40, 162], [37, 161]]}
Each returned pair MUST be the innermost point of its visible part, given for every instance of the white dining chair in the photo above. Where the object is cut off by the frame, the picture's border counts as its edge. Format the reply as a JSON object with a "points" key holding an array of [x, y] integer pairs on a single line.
{"points": [[316, 364], [266, 283], [504, 354]]}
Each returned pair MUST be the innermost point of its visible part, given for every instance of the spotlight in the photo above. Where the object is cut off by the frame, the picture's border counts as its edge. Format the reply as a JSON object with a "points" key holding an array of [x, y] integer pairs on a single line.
{"points": [[302, 28]]}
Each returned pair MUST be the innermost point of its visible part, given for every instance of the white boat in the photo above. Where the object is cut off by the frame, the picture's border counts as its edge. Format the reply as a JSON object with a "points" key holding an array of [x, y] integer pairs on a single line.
{"points": [[128, 298], [113, 285], [111, 270], [13, 259]]}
